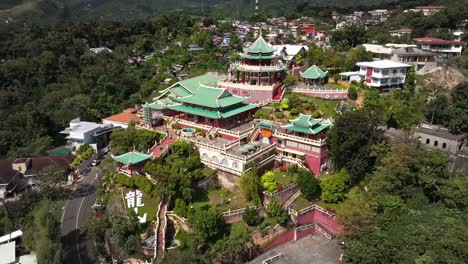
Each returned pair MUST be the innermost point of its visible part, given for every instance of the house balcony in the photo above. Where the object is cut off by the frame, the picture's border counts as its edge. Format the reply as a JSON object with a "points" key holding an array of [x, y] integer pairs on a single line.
{"points": [[308, 141], [259, 68], [249, 87]]}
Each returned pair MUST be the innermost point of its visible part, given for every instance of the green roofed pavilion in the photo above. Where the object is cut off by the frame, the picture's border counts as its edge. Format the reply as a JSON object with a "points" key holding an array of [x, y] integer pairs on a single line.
{"points": [[131, 158], [313, 72], [260, 46], [307, 125]]}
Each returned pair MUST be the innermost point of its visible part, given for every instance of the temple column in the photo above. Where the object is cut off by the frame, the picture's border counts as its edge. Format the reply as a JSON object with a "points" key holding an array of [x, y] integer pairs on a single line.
{"points": [[243, 77], [259, 78]]}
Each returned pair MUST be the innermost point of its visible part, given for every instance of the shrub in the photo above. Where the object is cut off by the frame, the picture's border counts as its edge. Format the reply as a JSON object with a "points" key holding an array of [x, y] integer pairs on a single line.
{"points": [[277, 211], [180, 207], [284, 105], [316, 115], [352, 92], [279, 115], [290, 80], [334, 187], [143, 184], [269, 182], [124, 180], [294, 112], [308, 184], [251, 217]]}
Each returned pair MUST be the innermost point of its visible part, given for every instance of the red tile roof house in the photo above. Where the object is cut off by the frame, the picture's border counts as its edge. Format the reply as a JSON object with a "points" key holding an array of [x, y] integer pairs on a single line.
{"points": [[22, 173], [123, 119], [449, 47]]}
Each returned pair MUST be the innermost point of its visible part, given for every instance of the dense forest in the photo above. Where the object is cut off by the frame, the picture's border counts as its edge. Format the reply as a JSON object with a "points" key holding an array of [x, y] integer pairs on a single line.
{"points": [[37, 11], [48, 75]]}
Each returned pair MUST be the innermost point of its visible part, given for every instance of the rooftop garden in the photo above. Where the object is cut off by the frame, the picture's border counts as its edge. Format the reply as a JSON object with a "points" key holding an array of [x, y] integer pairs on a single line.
{"points": [[294, 104]]}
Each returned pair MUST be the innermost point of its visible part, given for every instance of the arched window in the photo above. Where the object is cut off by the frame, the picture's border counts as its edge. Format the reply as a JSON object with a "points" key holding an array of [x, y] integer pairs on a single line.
{"points": [[444, 145], [436, 143], [224, 162], [205, 156], [428, 141], [215, 159], [235, 165]]}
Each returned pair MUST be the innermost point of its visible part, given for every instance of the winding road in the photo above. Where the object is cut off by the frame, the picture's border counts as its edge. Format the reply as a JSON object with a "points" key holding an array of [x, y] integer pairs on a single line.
{"points": [[76, 247]]}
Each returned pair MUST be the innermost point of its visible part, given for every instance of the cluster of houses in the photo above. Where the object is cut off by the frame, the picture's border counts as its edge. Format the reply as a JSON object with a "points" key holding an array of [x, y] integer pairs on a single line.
{"points": [[378, 16]]}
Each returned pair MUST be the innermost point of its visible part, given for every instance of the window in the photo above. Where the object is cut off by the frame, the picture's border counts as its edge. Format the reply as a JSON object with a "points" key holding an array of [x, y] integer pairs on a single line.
{"points": [[224, 162], [235, 165], [394, 80], [444, 145], [395, 71], [385, 72], [215, 159], [205, 156], [428, 141], [375, 80], [384, 81], [436, 143], [376, 71], [402, 70]]}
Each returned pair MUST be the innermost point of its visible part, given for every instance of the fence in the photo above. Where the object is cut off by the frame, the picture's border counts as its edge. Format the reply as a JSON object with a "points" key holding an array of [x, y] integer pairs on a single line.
{"points": [[235, 215], [282, 195]]}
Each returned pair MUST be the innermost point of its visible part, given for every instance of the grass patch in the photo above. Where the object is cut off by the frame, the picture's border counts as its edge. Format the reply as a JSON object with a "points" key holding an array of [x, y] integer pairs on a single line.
{"points": [[301, 203], [337, 207], [225, 200], [284, 178], [326, 106], [151, 205], [336, 86]]}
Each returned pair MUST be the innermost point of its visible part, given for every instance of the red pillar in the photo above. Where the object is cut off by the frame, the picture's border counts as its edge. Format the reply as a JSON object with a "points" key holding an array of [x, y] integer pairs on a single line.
{"points": [[275, 78], [243, 77], [259, 78]]}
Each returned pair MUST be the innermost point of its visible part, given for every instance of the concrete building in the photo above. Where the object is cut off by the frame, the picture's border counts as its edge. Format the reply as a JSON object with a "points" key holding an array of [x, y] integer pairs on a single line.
{"points": [[447, 47], [422, 60], [437, 137], [380, 74], [401, 32], [429, 10], [122, 119], [93, 134]]}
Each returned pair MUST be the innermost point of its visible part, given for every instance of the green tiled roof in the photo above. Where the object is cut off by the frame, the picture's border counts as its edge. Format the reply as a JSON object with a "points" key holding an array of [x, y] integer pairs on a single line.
{"points": [[313, 72], [192, 84], [180, 91], [305, 121], [161, 103], [212, 97], [306, 124], [260, 46], [213, 114], [131, 158]]}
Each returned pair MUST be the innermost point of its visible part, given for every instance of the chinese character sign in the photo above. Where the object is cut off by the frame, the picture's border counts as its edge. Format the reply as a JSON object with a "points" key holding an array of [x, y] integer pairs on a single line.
{"points": [[134, 200]]}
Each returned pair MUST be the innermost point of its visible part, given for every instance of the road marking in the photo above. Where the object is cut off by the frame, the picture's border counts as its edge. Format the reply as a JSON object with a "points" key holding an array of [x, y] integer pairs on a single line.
{"points": [[77, 220]]}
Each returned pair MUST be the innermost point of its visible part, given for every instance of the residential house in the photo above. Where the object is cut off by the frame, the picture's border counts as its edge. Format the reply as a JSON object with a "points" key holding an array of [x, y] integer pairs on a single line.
{"points": [[410, 54], [380, 74], [429, 10], [447, 47], [22, 173], [123, 119], [401, 32], [80, 133]]}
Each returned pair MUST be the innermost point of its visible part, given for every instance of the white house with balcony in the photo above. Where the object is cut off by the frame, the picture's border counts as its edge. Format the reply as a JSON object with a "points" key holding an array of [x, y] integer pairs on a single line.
{"points": [[380, 74], [448, 47]]}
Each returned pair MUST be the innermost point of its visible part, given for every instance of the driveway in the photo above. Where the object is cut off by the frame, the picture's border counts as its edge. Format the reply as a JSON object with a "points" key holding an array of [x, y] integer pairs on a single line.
{"points": [[76, 247]]}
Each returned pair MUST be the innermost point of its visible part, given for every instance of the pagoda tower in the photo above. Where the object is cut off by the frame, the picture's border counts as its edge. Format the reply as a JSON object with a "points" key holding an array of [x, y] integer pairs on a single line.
{"points": [[258, 74]]}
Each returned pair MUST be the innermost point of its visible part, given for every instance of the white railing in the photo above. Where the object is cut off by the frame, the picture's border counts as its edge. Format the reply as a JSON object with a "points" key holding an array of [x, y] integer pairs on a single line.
{"points": [[299, 162], [315, 226], [247, 86], [246, 158], [319, 143], [193, 124], [221, 167], [257, 68], [271, 259], [291, 200], [237, 211], [318, 90], [310, 208], [285, 189]]}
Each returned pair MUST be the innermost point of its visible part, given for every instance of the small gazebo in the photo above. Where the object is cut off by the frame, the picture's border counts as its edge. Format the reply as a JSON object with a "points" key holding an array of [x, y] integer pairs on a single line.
{"points": [[306, 126], [314, 76], [131, 162]]}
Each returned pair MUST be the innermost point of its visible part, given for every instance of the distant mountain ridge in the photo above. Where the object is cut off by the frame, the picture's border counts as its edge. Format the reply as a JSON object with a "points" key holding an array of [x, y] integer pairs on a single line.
{"points": [[39, 10]]}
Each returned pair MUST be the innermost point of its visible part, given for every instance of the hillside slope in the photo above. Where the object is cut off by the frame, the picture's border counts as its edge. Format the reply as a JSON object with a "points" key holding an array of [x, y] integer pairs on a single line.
{"points": [[43, 10]]}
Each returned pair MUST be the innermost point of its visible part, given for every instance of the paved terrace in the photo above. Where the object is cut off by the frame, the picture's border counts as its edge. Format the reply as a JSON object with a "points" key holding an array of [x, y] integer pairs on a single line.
{"points": [[309, 250]]}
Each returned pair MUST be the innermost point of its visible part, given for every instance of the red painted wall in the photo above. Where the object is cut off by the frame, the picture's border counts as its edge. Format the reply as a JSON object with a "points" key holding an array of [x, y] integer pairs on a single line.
{"points": [[326, 221], [288, 236], [313, 163], [229, 137]]}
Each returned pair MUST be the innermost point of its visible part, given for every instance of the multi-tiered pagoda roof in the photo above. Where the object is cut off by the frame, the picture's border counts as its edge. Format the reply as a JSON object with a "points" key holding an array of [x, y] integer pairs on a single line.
{"points": [[307, 125], [260, 49]]}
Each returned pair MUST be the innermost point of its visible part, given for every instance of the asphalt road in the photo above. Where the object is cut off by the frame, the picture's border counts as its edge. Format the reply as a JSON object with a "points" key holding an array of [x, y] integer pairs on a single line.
{"points": [[76, 248]]}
